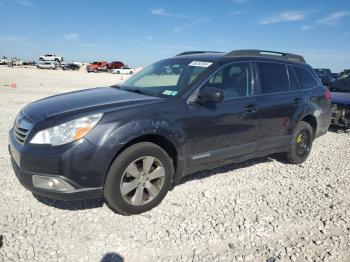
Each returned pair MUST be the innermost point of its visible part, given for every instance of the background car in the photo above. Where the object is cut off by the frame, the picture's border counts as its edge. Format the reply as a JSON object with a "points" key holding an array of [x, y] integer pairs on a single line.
{"points": [[3, 60], [115, 65], [71, 66], [47, 65], [325, 75], [97, 66], [51, 57], [124, 70], [341, 101]]}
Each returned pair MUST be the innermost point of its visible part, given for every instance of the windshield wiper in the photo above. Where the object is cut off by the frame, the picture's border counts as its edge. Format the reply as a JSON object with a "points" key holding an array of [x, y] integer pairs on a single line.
{"points": [[136, 91]]}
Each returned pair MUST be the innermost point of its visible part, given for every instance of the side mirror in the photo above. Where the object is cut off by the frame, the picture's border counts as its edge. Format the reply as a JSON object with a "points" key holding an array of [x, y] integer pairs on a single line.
{"points": [[210, 95]]}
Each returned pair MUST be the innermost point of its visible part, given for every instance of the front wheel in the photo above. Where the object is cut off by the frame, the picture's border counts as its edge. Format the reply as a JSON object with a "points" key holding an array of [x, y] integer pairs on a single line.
{"points": [[301, 143], [138, 179]]}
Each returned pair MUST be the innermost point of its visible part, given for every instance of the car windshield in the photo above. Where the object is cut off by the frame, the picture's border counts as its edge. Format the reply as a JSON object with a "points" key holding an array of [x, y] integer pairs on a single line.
{"points": [[165, 78]]}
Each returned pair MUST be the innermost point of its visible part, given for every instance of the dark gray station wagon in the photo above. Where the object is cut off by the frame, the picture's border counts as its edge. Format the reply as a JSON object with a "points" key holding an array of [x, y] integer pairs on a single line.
{"points": [[130, 143]]}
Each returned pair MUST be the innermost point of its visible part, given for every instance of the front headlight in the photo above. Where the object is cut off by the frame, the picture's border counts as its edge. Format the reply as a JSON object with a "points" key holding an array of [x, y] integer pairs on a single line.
{"points": [[67, 132]]}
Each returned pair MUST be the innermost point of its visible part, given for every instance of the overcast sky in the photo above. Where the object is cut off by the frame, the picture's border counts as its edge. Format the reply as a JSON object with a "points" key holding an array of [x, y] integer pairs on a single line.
{"points": [[140, 32]]}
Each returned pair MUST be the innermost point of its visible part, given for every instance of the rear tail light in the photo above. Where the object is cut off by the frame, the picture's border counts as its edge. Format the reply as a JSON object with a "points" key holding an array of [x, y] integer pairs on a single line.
{"points": [[327, 94]]}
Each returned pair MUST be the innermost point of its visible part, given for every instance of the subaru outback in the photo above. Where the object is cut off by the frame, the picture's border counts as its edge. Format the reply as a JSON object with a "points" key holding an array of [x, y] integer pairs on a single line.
{"points": [[130, 143]]}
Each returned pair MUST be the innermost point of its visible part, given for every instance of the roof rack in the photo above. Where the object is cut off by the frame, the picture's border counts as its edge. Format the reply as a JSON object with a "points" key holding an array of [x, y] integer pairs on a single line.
{"points": [[196, 52], [264, 53]]}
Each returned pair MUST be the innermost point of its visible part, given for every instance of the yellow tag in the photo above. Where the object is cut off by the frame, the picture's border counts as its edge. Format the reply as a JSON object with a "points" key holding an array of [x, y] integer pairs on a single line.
{"points": [[299, 139]]}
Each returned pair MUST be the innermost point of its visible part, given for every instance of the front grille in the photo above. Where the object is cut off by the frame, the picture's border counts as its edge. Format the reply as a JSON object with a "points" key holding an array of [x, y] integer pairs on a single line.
{"points": [[21, 128], [20, 134]]}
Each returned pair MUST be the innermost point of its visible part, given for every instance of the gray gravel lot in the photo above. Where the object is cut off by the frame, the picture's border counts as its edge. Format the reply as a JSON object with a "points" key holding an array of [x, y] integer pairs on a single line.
{"points": [[254, 211]]}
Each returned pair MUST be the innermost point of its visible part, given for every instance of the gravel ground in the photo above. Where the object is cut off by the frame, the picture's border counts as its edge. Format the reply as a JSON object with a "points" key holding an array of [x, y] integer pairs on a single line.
{"points": [[259, 210]]}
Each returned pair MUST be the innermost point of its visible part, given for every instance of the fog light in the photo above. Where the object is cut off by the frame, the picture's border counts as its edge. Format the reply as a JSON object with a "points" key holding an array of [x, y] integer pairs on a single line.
{"points": [[51, 183]]}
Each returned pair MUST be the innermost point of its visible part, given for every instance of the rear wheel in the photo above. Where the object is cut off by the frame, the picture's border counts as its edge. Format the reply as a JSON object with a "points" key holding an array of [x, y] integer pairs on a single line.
{"points": [[138, 179], [301, 143], [95, 70]]}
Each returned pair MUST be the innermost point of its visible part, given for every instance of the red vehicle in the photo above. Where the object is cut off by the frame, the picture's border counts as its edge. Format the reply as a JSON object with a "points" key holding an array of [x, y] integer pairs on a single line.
{"points": [[97, 66], [115, 65]]}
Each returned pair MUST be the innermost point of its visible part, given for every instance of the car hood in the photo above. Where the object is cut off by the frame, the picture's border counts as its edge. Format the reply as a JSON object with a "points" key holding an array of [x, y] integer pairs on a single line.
{"points": [[84, 101], [341, 98]]}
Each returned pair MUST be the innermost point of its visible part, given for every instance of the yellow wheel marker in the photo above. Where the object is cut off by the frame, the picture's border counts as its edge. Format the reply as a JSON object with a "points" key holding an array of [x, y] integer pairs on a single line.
{"points": [[299, 138]]}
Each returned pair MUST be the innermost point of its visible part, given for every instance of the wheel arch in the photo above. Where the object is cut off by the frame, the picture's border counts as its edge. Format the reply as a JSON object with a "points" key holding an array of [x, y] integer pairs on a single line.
{"points": [[156, 139], [312, 121], [163, 142]]}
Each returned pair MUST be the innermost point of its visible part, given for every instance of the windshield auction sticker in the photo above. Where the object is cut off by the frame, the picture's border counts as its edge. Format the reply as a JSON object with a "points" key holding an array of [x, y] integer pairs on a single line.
{"points": [[200, 64]]}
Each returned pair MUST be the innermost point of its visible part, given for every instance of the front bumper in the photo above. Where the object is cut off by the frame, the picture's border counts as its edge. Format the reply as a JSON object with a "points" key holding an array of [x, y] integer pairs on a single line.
{"points": [[26, 179], [76, 167]]}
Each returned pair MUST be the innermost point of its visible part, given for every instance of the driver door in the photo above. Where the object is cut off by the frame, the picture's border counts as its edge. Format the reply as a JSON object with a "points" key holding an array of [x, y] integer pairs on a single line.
{"points": [[228, 129]]}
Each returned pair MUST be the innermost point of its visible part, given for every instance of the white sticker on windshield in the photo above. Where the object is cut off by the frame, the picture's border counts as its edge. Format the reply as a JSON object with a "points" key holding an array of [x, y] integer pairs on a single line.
{"points": [[200, 64], [169, 93]]}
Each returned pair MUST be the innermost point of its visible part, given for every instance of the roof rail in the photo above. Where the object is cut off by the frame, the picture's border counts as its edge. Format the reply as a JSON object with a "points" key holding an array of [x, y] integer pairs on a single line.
{"points": [[264, 53], [196, 52]]}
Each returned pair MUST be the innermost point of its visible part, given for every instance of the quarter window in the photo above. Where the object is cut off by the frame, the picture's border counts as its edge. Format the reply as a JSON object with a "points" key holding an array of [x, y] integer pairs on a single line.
{"points": [[305, 78], [234, 79], [273, 77]]}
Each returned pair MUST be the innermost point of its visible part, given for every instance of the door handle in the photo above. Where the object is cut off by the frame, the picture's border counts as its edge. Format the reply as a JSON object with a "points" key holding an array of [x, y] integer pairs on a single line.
{"points": [[297, 101], [250, 108]]}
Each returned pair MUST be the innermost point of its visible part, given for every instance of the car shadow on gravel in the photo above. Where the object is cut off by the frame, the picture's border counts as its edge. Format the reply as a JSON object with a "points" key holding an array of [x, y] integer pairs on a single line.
{"points": [[232, 167], [112, 257], [71, 205]]}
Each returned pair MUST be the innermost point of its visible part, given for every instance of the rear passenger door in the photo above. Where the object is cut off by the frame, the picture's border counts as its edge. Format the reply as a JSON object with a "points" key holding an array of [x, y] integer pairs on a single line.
{"points": [[279, 101]]}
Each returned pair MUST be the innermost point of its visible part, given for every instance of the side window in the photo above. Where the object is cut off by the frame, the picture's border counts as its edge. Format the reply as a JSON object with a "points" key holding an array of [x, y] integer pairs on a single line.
{"points": [[292, 79], [273, 77], [234, 79], [306, 80]]}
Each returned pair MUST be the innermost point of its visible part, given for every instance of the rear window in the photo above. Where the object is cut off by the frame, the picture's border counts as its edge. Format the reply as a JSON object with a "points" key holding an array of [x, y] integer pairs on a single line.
{"points": [[273, 77], [306, 80]]}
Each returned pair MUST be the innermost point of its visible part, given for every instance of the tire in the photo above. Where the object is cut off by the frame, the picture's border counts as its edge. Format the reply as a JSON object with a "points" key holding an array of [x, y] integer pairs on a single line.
{"points": [[131, 72], [118, 72], [133, 159], [95, 70], [303, 134]]}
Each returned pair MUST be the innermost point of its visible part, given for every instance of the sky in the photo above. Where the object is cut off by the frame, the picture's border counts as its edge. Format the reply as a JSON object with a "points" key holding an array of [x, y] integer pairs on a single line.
{"points": [[141, 32]]}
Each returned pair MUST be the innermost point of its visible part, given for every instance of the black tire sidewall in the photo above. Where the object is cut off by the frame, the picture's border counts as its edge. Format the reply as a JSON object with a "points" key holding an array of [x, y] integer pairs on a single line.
{"points": [[292, 155], [112, 192]]}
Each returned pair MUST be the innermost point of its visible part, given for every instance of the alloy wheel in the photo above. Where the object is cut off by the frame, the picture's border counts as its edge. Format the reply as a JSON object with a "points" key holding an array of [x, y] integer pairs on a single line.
{"points": [[142, 180]]}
